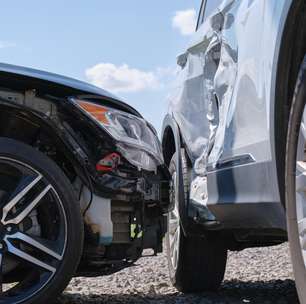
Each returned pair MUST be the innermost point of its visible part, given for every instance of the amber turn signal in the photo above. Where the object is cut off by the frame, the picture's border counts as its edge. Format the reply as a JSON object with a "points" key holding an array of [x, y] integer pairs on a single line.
{"points": [[98, 112]]}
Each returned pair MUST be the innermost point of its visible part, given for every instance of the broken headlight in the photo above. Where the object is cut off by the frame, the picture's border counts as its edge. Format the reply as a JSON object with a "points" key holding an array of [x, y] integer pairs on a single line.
{"points": [[137, 141]]}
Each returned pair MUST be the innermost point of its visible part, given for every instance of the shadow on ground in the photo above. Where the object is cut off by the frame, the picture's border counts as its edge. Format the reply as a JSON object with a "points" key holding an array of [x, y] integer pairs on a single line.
{"points": [[263, 292]]}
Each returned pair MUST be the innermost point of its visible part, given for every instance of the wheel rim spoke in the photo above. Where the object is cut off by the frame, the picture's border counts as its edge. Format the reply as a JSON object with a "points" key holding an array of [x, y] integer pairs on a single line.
{"points": [[300, 167], [174, 248], [21, 216], [37, 244], [303, 125], [1, 275], [174, 224], [173, 242], [175, 212], [303, 130], [27, 257], [13, 202], [302, 232], [300, 183]]}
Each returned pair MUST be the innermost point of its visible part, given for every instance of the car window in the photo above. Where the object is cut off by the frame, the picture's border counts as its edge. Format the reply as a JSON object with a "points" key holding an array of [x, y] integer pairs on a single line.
{"points": [[207, 8]]}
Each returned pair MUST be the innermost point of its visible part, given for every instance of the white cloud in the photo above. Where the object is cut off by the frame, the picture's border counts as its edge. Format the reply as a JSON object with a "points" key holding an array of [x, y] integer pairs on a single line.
{"points": [[121, 78], [6, 44], [185, 21], [166, 72]]}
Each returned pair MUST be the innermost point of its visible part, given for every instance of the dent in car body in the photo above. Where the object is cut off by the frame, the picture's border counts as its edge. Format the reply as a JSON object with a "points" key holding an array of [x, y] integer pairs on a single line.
{"points": [[222, 102]]}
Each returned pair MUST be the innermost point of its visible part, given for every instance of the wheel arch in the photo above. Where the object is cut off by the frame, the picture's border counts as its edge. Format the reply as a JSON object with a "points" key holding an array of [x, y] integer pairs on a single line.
{"points": [[168, 144], [172, 144], [25, 126], [172, 139]]}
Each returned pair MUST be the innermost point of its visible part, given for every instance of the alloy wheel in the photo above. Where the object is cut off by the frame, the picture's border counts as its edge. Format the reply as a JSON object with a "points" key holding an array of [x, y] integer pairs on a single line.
{"points": [[33, 231]]}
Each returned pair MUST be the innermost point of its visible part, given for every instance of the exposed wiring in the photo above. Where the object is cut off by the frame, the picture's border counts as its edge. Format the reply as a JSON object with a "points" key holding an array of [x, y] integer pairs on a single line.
{"points": [[81, 191], [90, 190]]}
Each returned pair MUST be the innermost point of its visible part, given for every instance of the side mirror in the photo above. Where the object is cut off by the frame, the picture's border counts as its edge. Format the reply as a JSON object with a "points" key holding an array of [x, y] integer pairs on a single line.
{"points": [[182, 60], [217, 21]]}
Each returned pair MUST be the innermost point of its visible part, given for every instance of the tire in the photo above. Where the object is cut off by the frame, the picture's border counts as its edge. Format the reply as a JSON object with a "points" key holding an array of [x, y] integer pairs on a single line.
{"points": [[54, 221], [200, 262]]}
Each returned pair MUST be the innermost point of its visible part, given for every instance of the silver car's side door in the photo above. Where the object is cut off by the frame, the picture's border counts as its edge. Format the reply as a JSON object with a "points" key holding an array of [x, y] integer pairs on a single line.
{"points": [[243, 85]]}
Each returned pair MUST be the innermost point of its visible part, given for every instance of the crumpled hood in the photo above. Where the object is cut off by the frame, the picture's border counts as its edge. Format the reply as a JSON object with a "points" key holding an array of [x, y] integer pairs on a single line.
{"points": [[77, 85]]}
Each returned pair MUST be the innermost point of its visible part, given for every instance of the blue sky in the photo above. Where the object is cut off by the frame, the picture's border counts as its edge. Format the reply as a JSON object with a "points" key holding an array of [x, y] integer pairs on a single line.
{"points": [[128, 47]]}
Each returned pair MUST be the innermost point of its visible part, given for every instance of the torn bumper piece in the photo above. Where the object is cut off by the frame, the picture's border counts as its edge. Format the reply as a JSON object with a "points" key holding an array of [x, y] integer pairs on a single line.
{"points": [[138, 185], [120, 203], [150, 197], [130, 183]]}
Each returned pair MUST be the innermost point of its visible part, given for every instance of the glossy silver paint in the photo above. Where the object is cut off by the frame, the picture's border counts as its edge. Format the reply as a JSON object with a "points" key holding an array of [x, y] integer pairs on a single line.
{"points": [[224, 102]]}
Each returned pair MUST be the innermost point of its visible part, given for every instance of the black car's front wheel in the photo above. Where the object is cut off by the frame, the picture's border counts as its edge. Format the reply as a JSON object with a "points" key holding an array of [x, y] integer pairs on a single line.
{"points": [[41, 230]]}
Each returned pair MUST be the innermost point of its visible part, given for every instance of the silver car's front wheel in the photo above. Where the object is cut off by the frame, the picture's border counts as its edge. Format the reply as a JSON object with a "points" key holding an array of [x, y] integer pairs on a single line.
{"points": [[196, 264], [39, 226], [174, 229]]}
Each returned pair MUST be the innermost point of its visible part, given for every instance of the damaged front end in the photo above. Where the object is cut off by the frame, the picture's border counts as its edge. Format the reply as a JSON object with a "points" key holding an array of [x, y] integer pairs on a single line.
{"points": [[110, 154], [123, 210]]}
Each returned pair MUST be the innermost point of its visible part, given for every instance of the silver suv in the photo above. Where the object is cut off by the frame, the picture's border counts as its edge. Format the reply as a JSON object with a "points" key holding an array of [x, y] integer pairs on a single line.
{"points": [[234, 140]]}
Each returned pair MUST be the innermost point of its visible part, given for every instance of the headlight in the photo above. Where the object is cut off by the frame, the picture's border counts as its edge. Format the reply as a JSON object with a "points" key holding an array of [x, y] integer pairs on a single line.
{"points": [[136, 140]]}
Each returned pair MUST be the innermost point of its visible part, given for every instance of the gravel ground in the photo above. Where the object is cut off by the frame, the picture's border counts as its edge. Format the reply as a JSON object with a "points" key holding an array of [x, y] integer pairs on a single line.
{"points": [[259, 275]]}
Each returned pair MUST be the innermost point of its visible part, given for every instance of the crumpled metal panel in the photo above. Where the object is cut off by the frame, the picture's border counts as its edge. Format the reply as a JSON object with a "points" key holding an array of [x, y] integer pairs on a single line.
{"points": [[222, 97], [224, 80], [201, 101]]}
